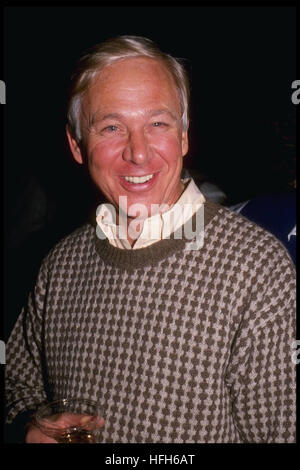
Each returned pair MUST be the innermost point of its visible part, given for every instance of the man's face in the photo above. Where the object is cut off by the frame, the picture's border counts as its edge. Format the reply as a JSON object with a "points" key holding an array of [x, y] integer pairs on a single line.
{"points": [[132, 134]]}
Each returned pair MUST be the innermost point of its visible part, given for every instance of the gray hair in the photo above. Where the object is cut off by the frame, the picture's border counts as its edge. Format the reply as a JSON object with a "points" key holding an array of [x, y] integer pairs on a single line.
{"points": [[110, 51]]}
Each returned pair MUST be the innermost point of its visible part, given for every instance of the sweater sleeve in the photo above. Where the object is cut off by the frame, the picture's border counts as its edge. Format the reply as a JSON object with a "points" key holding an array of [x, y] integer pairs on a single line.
{"points": [[24, 371], [262, 374]]}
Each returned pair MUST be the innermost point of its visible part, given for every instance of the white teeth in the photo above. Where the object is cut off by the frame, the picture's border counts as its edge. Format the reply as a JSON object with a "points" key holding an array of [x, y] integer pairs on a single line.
{"points": [[138, 179]]}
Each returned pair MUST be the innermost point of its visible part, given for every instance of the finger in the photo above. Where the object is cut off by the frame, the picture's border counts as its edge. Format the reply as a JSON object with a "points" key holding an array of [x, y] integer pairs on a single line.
{"points": [[72, 420], [35, 436]]}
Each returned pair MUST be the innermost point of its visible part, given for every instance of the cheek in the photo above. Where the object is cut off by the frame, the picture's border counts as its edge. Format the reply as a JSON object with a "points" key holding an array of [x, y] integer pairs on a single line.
{"points": [[170, 152], [101, 156], [169, 147]]}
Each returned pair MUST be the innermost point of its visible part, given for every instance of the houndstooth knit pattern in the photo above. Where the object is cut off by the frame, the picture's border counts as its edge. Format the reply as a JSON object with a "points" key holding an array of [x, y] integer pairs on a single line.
{"points": [[176, 345]]}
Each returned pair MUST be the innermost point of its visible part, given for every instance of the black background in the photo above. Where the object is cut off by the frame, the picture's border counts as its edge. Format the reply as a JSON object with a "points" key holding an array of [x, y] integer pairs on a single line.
{"points": [[241, 61]]}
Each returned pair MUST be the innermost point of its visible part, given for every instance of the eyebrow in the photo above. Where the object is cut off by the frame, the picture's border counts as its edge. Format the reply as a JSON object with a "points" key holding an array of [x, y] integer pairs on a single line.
{"points": [[151, 112], [157, 112]]}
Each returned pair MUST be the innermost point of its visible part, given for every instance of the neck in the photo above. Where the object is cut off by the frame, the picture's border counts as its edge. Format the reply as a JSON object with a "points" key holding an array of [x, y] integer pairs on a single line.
{"points": [[133, 226]]}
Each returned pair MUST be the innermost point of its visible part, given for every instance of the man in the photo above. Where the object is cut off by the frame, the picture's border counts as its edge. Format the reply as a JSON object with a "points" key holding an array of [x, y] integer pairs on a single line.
{"points": [[181, 335]]}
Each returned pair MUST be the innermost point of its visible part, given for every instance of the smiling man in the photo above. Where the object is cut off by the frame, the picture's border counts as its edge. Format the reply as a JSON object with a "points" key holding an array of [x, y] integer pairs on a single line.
{"points": [[133, 136], [178, 344]]}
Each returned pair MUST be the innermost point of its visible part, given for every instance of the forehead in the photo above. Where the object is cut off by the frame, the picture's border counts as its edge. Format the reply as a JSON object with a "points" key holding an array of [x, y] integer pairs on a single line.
{"points": [[133, 82]]}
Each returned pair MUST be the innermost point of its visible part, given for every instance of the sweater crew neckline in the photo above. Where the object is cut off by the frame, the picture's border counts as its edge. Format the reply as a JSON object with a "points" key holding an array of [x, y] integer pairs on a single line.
{"points": [[142, 257]]}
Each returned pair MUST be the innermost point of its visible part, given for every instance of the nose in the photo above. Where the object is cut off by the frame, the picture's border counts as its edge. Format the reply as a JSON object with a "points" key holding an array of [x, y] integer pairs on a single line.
{"points": [[137, 149]]}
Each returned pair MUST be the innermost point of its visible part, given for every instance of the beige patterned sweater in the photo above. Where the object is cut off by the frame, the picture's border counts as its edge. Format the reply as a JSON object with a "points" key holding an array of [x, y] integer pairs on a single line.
{"points": [[177, 345]]}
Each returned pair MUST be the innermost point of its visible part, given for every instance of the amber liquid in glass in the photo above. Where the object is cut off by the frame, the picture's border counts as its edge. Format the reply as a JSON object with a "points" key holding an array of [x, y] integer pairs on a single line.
{"points": [[75, 437]]}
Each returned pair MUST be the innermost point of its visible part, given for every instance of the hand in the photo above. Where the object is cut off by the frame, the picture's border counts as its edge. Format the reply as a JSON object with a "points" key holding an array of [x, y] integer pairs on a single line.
{"points": [[34, 434]]}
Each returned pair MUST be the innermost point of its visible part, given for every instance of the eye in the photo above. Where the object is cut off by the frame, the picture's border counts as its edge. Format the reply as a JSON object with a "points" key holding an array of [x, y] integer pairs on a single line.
{"points": [[159, 124], [111, 128]]}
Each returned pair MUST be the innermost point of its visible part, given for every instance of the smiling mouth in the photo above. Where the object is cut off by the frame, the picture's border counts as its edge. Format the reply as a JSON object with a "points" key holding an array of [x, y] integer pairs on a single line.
{"points": [[138, 179]]}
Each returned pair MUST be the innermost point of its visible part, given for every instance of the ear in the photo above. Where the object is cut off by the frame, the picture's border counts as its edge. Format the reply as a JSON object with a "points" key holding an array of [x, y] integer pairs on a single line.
{"points": [[74, 146], [184, 143]]}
